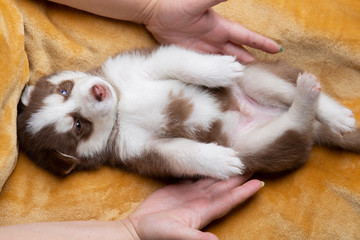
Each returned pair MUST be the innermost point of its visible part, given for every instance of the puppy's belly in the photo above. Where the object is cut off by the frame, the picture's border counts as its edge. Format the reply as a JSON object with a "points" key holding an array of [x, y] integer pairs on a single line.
{"points": [[252, 115]]}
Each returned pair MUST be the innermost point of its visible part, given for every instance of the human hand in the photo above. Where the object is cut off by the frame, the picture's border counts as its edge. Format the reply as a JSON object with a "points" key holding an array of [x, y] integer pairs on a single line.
{"points": [[178, 211], [194, 25]]}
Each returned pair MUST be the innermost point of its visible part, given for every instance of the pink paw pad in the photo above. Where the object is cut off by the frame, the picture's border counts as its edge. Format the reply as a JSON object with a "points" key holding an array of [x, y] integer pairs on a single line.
{"points": [[316, 88], [309, 82]]}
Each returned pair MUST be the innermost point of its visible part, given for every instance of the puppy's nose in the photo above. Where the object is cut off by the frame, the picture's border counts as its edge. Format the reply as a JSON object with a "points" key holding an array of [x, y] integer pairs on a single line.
{"points": [[99, 92]]}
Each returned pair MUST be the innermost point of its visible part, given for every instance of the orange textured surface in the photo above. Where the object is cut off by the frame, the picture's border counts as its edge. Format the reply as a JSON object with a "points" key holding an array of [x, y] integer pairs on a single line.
{"points": [[321, 200]]}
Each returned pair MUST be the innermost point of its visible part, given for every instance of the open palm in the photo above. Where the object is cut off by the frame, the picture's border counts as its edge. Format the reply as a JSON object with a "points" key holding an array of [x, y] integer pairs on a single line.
{"points": [[193, 24], [178, 211]]}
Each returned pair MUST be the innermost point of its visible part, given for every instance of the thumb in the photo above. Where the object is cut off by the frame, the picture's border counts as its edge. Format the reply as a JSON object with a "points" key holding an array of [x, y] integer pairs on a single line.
{"points": [[194, 234], [198, 7], [207, 236]]}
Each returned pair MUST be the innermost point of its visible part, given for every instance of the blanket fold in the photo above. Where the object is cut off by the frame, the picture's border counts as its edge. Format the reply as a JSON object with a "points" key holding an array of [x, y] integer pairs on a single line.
{"points": [[14, 74]]}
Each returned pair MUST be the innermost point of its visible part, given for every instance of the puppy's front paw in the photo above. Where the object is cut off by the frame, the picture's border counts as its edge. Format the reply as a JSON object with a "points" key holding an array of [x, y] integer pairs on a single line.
{"points": [[224, 70], [221, 162]]}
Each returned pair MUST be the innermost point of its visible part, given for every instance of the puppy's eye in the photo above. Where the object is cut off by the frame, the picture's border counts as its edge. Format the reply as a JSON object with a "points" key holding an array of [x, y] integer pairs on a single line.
{"points": [[63, 92], [78, 124]]}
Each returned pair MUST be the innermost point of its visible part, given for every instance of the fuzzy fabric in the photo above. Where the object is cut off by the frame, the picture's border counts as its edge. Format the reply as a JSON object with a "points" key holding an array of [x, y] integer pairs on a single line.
{"points": [[321, 200]]}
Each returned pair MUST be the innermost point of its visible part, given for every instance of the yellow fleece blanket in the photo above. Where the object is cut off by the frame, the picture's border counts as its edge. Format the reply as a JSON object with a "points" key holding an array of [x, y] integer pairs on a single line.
{"points": [[321, 200]]}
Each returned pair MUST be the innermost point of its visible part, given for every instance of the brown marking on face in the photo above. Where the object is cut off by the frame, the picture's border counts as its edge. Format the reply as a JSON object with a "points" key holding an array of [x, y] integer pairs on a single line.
{"points": [[226, 98], [43, 88], [59, 163], [44, 146], [65, 85], [82, 128], [289, 151]]}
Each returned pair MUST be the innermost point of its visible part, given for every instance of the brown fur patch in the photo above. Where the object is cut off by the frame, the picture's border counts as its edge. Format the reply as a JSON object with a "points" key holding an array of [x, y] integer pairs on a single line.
{"points": [[86, 127], [177, 112], [349, 141], [213, 134], [97, 71], [43, 148], [43, 88], [67, 85], [289, 151], [226, 99], [148, 163]]}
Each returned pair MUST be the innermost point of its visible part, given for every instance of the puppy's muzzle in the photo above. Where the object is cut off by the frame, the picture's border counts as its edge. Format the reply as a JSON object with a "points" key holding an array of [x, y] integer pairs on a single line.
{"points": [[99, 91]]}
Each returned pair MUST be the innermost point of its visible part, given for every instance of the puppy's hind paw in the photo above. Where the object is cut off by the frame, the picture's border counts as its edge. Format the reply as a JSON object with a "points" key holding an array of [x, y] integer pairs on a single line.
{"points": [[308, 85], [339, 119], [342, 120]]}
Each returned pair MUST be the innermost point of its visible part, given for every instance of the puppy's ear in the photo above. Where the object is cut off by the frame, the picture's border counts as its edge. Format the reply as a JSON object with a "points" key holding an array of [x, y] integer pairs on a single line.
{"points": [[61, 164], [26, 94]]}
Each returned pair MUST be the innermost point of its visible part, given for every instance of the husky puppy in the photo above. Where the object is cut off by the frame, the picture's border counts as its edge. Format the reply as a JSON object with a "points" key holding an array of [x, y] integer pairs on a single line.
{"points": [[175, 112]]}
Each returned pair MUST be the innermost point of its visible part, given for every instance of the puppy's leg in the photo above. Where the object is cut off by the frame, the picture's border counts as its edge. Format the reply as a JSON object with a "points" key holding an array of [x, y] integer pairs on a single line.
{"points": [[337, 118], [270, 84], [285, 142], [172, 62], [274, 84], [184, 157]]}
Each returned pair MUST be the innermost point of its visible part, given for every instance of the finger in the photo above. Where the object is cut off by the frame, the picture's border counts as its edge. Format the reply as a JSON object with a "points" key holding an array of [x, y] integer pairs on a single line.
{"points": [[198, 7], [240, 35], [203, 47], [205, 183], [224, 203], [239, 52], [225, 186], [202, 183]]}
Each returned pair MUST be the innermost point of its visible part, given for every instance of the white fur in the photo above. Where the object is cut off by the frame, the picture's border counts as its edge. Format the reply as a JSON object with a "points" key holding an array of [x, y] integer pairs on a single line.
{"points": [[194, 68], [188, 157], [26, 95], [53, 112], [340, 119]]}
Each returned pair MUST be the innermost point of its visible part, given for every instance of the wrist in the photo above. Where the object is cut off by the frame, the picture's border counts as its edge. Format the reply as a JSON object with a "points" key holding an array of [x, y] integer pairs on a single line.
{"points": [[139, 11], [128, 230], [147, 12]]}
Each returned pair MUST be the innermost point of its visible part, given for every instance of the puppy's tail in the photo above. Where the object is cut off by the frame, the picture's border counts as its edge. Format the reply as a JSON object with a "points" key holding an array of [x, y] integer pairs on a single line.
{"points": [[349, 141]]}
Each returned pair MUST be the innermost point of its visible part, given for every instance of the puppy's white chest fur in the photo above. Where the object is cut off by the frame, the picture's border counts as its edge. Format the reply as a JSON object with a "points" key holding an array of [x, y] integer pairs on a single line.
{"points": [[147, 105]]}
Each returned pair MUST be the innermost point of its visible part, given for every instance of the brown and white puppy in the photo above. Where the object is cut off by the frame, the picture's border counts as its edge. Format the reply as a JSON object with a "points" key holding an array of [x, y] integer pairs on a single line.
{"points": [[174, 112]]}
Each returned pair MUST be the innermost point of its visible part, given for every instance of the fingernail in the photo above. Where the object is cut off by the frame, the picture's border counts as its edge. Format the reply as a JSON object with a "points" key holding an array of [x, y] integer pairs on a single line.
{"points": [[262, 184], [281, 49]]}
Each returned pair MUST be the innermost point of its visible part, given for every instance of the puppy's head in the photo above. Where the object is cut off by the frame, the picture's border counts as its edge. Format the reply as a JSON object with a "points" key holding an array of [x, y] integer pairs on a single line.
{"points": [[65, 121]]}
